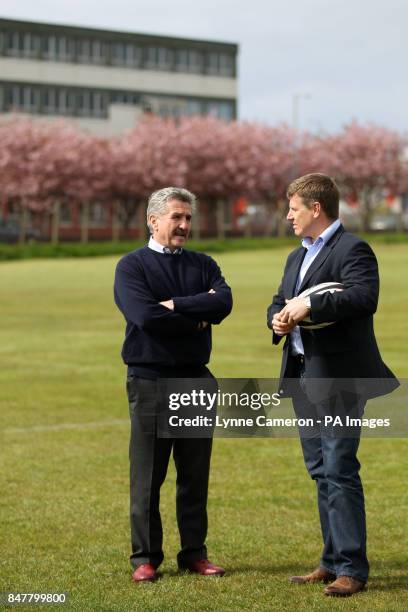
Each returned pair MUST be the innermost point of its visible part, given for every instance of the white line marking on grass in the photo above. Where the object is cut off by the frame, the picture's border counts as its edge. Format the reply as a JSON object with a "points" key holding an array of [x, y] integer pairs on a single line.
{"points": [[67, 426]]}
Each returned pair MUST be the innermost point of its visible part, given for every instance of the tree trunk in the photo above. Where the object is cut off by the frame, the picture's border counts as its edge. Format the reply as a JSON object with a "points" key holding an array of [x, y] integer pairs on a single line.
{"points": [[141, 214], [282, 223], [220, 214], [196, 226], [23, 223], [85, 222], [115, 221], [55, 222]]}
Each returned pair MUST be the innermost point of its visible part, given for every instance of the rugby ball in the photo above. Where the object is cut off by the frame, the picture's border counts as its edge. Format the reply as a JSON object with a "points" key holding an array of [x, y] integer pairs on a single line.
{"points": [[330, 287]]}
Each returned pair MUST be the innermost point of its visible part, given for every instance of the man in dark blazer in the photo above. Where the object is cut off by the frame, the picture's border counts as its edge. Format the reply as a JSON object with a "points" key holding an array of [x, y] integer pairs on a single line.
{"points": [[346, 351]]}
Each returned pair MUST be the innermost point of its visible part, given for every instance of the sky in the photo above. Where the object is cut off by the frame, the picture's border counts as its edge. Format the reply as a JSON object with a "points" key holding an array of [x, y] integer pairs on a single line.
{"points": [[342, 60]]}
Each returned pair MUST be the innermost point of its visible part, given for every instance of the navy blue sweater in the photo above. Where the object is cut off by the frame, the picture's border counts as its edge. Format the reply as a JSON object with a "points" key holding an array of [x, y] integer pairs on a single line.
{"points": [[157, 338]]}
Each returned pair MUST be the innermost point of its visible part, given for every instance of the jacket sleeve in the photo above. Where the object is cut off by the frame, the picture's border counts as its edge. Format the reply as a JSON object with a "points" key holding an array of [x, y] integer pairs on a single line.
{"points": [[278, 302], [359, 275], [210, 307], [134, 299]]}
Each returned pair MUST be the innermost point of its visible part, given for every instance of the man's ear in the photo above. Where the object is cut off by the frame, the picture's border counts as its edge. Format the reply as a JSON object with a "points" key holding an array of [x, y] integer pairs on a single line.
{"points": [[153, 221], [317, 209]]}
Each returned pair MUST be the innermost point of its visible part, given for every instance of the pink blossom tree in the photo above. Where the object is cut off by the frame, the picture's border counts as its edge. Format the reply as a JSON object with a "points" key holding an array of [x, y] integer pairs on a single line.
{"points": [[20, 144], [231, 160], [142, 161], [367, 160], [43, 163]]}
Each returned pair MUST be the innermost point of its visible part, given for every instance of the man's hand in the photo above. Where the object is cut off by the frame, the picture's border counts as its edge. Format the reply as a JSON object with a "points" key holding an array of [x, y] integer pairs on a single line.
{"points": [[168, 304], [280, 327], [295, 310]]}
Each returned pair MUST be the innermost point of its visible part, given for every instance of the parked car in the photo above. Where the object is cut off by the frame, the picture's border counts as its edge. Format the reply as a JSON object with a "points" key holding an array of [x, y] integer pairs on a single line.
{"points": [[10, 232]]}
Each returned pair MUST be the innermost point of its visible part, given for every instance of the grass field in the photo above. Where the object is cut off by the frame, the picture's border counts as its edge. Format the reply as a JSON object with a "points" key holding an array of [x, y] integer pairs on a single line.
{"points": [[64, 484]]}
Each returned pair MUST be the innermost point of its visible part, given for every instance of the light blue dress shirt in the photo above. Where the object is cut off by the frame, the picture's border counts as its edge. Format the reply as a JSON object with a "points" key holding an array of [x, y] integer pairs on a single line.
{"points": [[313, 249]]}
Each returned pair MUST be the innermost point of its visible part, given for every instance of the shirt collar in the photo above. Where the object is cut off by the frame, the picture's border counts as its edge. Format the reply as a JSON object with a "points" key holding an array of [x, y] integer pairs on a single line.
{"points": [[159, 248], [324, 237]]}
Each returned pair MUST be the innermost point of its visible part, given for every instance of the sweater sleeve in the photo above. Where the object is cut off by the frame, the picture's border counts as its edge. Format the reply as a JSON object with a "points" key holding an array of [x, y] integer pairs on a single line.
{"points": [[210, 307], [134, 299]]}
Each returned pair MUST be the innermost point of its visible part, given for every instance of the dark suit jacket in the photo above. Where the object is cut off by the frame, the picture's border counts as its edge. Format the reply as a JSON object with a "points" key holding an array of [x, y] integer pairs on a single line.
{"points": [[347, 349]]}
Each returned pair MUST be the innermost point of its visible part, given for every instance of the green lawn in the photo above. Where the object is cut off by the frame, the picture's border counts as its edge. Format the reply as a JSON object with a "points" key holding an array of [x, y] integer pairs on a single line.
{"points": [[64, 484]]}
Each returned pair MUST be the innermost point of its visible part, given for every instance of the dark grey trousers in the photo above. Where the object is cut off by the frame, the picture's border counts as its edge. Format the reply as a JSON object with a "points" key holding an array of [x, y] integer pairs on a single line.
{"points": [[149, 458]]}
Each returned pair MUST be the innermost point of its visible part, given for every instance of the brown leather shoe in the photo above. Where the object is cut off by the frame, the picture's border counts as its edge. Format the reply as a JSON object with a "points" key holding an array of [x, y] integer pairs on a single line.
{"points": [[144, 573], [204, 567], [319, 575], [344, 586]]}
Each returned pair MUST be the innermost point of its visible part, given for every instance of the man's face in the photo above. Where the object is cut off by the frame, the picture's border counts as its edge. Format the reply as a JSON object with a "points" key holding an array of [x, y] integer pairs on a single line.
{"points": [[173, 227], [303, 218]]}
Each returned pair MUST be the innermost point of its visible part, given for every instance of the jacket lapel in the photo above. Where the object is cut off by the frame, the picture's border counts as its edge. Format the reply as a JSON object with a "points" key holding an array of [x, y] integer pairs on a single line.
{"points": [[321, 258], [292, 274]]}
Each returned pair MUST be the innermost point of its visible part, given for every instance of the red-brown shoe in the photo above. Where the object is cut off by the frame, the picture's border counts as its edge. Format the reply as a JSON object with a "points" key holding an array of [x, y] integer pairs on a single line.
{"points": [[144, 573], [319, 575], [344, 586], [204, 567]]}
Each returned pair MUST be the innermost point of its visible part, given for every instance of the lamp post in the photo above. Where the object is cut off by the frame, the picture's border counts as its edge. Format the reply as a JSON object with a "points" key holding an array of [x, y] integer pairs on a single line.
{"points": [[296, 98]]}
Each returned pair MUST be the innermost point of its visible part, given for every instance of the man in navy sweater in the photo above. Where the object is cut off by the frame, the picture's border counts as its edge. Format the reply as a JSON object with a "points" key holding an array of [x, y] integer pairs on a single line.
{"points": [[169, 297]]}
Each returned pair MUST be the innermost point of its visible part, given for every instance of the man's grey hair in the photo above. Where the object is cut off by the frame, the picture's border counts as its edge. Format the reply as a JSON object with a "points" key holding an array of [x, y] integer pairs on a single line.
{"points": [[158, 201]]}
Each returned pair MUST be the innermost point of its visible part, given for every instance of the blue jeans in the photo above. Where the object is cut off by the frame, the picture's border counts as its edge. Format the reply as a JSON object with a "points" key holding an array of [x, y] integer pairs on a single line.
{"points": [[332, 463]]}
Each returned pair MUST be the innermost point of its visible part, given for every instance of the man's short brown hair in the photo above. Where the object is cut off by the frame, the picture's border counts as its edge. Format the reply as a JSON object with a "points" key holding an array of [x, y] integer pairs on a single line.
{"points": [[317, 188]]}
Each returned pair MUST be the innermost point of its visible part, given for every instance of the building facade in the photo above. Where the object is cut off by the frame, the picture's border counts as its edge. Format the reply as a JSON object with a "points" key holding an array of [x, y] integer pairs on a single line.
{"points": [[104, 80]]}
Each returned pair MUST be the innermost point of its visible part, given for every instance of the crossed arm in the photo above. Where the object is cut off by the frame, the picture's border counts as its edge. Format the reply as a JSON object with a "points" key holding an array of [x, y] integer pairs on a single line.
{"points": [[187, 314], [210, 306]]}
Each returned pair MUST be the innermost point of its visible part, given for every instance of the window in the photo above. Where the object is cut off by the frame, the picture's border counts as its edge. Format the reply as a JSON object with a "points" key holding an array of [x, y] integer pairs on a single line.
{"points": [[188, 60], [84, 103], [65, 102], [97, 214], [92, 103], [226, 111], [31, 98], [195, 61], [220, 64], [226, 64], [14, 44], [22, 44], [49, 101], [98, 104], [194, 107], [151, 57], [165, 58], [181, 60], [212, 63], [59, 48], [66, 217], [84, 51], [23, 97], [91, 51], [31, 45], [98, 52], [12, 97], [123, 97], [126, 54], [159, 58], [222, 110]]}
